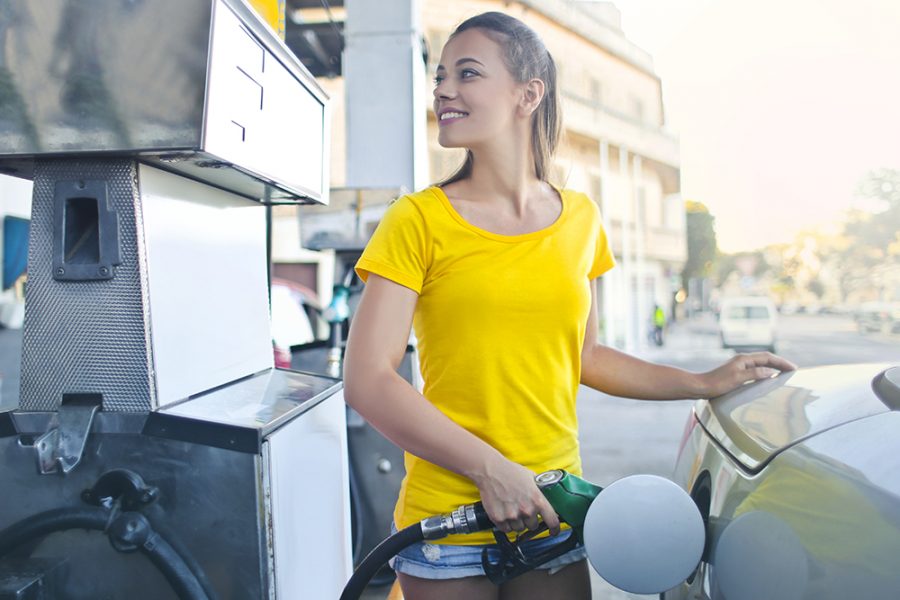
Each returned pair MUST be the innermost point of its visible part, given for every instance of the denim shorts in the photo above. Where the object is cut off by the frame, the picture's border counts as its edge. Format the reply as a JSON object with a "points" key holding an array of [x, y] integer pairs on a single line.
{"points": [[444, 561]]}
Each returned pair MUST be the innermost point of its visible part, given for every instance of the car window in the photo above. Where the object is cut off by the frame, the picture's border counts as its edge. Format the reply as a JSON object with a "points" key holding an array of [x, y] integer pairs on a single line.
{"points": [[747, 312]]}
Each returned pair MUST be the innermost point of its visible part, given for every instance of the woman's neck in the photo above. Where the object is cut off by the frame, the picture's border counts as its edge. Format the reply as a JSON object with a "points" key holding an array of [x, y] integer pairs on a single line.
{"points": [[504, 175]]}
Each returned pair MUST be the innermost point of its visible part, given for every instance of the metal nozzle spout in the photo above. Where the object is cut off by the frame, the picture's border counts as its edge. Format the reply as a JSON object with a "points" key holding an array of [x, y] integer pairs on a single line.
{"points": [[468, 518]]}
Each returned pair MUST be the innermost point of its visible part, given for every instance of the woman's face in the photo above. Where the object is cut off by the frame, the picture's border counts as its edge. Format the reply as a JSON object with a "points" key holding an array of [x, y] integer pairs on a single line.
{"points": [[475, 96]]}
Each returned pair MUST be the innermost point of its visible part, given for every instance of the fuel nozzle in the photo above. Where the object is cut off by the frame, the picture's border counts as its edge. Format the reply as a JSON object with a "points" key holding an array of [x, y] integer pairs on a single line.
{"points": [[570, 496], [468, 518]]}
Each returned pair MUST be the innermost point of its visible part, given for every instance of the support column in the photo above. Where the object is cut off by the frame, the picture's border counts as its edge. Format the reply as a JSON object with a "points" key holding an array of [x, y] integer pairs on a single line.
{"points": [[640, 258], [384, 75], [609, 320], [628, 274]]}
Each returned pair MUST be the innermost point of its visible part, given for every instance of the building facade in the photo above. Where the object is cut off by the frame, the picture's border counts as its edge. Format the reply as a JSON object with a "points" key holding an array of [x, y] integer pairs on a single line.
{"points": [[615, 145]]}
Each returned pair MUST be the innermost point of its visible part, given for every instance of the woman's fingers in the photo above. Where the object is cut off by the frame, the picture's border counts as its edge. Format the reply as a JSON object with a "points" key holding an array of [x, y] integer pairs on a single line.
{"points": [[513, 500], [531, 522], [549, 516], [762, 365], [743, 368], [515, 525], [773, 361], [531, 518]]}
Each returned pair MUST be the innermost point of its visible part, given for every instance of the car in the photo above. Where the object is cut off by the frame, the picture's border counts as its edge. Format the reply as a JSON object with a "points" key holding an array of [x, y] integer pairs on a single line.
{"points": [[797, 478], [789, 308], [294, 311], [748, 323], [878, 317]]}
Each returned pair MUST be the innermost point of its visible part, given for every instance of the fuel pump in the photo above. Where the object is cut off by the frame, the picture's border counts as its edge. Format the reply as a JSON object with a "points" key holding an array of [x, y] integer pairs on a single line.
{"points": [[156, 453]]}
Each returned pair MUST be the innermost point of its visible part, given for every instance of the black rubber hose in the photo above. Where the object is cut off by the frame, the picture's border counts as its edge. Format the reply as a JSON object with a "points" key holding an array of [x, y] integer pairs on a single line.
{"points": [[174, 568], [159, 552], [157, 519], [356, 510], [383, 576], [377, 557], [41, 524]]}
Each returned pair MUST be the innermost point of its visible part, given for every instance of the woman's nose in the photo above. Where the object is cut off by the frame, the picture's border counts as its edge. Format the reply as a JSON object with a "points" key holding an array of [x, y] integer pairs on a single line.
{"points": [[443, 90]]}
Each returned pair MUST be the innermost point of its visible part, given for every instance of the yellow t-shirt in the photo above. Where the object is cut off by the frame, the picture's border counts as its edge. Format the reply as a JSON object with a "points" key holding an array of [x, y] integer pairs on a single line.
{"points": [[500, 322]]}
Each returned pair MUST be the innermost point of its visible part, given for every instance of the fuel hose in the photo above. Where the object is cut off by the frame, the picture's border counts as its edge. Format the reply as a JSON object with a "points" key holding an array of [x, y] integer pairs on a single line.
{"points": [[140, 535], [468, 518]]}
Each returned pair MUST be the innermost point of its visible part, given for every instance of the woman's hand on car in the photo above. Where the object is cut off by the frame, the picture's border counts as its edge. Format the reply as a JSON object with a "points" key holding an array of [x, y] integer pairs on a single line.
{"points": [[741, 369], [512, 499]]}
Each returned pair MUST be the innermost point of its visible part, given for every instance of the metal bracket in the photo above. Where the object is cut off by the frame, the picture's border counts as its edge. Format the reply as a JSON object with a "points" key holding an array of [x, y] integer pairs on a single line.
{"points": [[61, 448]]}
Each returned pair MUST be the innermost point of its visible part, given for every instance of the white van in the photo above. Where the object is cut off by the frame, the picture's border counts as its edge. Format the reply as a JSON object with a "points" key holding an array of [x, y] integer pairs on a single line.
{"points": [[748, 323]]}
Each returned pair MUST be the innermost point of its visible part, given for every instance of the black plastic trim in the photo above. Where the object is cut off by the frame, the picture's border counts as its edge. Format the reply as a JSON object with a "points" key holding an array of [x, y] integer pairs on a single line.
{"points": [[207, 433], [7, 425], [886, 386], [101, 231]]}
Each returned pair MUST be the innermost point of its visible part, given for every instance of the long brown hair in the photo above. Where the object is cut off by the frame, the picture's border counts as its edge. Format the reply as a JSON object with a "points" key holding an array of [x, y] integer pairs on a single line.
{"points": [[526, 58]]}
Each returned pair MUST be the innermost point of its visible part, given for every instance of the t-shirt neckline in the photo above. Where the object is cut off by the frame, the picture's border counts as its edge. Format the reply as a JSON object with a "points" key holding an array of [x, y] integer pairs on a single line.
{"points": [[521, 237]]}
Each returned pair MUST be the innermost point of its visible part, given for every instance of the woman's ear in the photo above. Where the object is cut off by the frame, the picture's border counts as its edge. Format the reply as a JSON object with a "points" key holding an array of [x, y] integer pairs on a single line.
{"points": [[532, 94]]}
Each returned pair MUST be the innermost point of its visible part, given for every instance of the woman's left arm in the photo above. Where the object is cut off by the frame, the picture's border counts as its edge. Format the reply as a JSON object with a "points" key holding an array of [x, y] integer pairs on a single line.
{"points": [[618, 374]]}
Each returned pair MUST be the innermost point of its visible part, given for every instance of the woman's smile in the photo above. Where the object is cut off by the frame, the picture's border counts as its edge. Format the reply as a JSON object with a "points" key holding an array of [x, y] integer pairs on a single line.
{"points": [[447, 116]]}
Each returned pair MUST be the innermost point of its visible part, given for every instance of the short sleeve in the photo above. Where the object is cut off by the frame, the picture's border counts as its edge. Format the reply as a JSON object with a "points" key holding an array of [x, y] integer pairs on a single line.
{"points": [[604, 259], [398, 249]]}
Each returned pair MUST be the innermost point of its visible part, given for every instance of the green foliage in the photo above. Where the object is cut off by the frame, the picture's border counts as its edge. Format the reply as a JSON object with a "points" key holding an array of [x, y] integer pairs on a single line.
{"points": [[728, 263], [871, 235], [701, 241], [871, 238], [816, 287]]}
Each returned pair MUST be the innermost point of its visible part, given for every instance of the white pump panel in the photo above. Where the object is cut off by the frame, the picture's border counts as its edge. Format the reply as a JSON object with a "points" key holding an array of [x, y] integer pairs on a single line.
{"points": [[206, 266]]}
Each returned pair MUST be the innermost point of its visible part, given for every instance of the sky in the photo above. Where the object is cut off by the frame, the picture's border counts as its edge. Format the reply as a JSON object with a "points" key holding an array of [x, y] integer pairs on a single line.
{"points": [[781, 106]]}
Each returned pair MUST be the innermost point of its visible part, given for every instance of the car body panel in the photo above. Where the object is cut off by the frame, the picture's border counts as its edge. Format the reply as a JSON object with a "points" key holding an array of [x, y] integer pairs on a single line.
{"points": [[758, 420], [819, 520]]}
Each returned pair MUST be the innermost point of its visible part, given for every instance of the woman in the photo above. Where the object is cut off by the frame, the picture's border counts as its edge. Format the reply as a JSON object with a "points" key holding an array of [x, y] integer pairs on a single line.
{"points": [[495, 268]]}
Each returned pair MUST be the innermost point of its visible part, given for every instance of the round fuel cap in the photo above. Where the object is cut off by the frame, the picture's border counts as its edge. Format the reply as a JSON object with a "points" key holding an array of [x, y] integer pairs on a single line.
{"points": [[644, 534]]}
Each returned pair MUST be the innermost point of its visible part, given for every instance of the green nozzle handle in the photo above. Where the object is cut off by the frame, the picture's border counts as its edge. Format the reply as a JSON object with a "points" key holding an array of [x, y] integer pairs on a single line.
{"points": [[569, 495]]}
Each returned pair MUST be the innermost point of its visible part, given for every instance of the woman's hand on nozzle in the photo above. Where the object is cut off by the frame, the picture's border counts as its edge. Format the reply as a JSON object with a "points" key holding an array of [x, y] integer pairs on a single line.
{"points": [[512, 499]]}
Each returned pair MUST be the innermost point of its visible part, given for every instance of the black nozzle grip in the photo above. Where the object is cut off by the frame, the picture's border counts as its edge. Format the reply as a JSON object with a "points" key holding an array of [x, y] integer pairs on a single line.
{"points": [[481, 517]]}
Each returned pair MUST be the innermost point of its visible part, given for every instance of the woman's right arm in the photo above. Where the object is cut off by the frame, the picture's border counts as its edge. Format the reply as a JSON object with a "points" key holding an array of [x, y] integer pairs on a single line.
{"points": [[375, 347]]}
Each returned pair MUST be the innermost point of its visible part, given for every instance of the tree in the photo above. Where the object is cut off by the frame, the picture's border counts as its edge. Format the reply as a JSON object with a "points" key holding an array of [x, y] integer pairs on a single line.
{"points": [[871, 236], [816, 286], [877, 231], [701, 242]]}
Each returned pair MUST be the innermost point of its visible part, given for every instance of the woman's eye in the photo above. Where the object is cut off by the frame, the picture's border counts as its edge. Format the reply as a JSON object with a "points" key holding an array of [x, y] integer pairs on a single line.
{"points": [[438, 79], [467, 73]]}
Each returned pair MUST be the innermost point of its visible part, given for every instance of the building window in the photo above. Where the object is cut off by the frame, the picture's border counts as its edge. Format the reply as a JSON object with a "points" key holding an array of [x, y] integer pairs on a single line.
{"points": [[595, 90], [637, 107], [596, 190], [674, 211], [641, 207]]}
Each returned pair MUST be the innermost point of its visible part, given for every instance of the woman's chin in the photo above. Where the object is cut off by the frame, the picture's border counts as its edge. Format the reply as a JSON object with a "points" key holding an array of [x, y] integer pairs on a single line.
{"points": [[450, 141]]}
